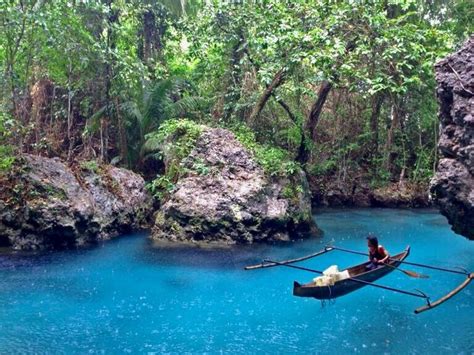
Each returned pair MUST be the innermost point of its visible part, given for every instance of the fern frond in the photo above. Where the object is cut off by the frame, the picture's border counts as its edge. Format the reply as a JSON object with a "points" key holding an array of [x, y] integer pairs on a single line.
{"points": [[152, 144], [93, 122], [186, 105]]}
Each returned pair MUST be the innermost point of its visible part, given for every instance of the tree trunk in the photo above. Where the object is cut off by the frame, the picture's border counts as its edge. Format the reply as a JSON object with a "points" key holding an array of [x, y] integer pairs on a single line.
{"points": [[51, 115], [232, 95], [102, 139], [284, 105], [277, 99], [377, 101], [317, 108], [395, 123], [304, 153], [69, 113], [309, 131], [150, 36], [278, 79], [111, 43], [149, 29], [122, 135]]}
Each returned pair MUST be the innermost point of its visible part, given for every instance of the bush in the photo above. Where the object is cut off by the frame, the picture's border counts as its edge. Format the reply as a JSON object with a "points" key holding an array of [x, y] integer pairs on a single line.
{"points": [[7, 157], [178, 137], [90, 165], [275, 161]]}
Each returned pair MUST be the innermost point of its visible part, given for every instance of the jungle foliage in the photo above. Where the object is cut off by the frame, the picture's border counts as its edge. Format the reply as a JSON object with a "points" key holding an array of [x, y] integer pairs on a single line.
{"points": [[343, 88]]}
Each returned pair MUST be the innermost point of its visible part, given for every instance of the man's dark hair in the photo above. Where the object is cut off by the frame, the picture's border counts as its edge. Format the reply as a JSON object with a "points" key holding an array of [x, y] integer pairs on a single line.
{"points": [[373, 240]]}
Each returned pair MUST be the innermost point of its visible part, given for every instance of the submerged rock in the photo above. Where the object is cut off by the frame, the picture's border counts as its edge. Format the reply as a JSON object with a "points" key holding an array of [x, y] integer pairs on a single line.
{"points": [[225, 197], [48, 205], [452, 187]]}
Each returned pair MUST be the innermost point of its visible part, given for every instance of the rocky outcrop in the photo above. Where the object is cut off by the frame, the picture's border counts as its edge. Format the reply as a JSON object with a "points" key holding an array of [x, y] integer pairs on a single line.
{"points": [[405, 195], [225, 197], [333, 193], [48, 205], [359, 193], [452, 187]]}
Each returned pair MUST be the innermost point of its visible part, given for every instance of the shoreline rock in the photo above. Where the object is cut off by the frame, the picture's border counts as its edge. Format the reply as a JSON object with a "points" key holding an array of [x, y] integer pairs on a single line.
{"points": [[360, 194], [229, 199], [49, 205], [452, 187]]}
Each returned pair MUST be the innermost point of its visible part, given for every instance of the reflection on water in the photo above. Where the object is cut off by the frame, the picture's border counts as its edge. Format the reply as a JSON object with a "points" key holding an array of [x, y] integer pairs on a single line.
{"points": [[129, 296]]}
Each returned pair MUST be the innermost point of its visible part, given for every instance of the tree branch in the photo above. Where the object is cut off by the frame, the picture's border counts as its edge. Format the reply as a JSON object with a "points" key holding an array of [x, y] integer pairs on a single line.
{"points": [[278, 79]]}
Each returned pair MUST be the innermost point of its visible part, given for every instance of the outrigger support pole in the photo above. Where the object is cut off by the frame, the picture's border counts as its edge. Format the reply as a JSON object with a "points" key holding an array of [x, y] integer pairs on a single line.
{"points": [[407, 262], [443, 299], [420, 294], [285, 262]]}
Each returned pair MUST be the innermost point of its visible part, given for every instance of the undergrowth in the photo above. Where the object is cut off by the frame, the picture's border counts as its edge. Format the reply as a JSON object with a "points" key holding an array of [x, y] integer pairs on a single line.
{"points": [[177, 138]]}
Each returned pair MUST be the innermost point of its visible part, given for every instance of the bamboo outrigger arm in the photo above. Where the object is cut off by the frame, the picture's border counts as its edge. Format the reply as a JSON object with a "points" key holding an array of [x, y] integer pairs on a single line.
{"points": [[448, 296], [285, 262]]}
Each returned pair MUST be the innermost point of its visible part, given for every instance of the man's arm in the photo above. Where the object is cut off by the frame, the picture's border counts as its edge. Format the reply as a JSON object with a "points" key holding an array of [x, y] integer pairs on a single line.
{"points": [[386, 257]]}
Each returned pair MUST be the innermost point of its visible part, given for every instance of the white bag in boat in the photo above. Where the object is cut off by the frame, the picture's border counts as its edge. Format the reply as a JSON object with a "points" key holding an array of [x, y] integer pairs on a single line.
{"points": [[323, 281], [342, 275], [333, 269], [330, 276]]}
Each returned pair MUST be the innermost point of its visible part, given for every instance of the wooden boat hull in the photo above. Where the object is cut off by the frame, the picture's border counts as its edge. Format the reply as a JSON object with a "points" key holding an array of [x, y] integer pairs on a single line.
{"points": [[343, 287]]}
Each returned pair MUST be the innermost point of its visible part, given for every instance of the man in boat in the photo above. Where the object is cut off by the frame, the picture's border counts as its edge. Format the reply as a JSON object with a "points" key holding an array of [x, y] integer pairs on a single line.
{"points": [[378, 255]]}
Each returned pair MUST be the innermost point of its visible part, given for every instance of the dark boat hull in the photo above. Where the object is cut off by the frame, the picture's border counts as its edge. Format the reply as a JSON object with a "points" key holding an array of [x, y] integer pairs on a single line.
{"points": [[343, 287]]}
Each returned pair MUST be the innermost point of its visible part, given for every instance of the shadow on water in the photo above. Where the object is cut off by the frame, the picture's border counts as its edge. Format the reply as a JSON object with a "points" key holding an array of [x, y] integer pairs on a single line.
{"points": [[21, 259], [234, 257], [229, 257], [12, 259], [438, 221], [178, 282]]}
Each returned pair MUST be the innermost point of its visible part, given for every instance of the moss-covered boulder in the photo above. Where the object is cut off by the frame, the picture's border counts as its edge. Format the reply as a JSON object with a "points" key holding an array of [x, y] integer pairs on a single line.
{"points": [[222, 194]]}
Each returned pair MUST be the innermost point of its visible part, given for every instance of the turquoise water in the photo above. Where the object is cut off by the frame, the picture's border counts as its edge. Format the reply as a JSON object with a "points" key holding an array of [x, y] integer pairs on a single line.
{"points": [[127, 297]]}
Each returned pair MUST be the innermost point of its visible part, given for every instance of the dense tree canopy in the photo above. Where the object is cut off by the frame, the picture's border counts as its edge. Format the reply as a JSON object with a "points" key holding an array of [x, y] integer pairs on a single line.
{"points": [[344, 87]]}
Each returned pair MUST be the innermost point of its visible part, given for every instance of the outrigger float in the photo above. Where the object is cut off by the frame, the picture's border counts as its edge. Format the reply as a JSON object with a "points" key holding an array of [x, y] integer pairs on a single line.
{"points": [[358, 276]]}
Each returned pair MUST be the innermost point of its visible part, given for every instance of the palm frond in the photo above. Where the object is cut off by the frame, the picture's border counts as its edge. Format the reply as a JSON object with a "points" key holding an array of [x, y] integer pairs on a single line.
{"points": [[93, 122], [131, 111], [156, 101], [152, 144], [133, 118], [185, 106]]}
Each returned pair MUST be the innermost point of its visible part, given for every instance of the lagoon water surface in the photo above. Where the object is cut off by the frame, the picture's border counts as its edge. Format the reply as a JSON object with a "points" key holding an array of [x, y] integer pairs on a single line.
{"points": [[125, 296]]}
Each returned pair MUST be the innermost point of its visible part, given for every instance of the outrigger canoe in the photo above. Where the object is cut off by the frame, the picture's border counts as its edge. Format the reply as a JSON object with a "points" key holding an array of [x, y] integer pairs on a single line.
{"points": [[343, 287], [359, 277]]}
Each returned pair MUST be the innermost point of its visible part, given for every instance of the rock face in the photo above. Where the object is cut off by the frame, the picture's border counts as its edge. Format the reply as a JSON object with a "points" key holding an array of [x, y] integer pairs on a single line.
{"points": [[51, 206], [396, 195], [452, 187], [226, 198], [332, 193], [359, 193]]}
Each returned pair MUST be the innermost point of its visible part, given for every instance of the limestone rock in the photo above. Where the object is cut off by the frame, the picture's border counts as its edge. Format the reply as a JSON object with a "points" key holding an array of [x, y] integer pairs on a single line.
{"points": [[234, 201], [51, 206], [357, 192], [396, 195], [452, 187]]}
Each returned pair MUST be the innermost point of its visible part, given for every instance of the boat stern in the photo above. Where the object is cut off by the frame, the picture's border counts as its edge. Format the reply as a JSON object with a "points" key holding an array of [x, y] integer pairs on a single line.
{"points": [[297, 290], [309, 290]]}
